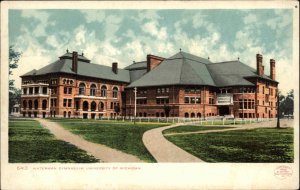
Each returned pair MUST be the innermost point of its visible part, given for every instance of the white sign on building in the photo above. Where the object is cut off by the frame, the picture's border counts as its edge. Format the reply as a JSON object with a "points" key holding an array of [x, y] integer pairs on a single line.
{"points": [[224, 99]]}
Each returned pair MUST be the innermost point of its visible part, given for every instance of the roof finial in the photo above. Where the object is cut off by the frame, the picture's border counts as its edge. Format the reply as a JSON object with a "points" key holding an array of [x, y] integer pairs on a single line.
{"points": [[82, 53], [208, 58], [67, 50], [238, 58], [180, 49]]}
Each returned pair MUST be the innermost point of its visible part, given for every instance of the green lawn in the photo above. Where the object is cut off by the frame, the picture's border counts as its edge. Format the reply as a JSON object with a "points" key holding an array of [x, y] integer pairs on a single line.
{"points": [[192, 128], [126, 137], [256, 145], [30, 143]]}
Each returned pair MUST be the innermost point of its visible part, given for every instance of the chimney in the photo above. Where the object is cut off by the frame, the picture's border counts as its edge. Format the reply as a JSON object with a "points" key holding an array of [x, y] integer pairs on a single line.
{"points": [[115, 67], [259, 66], [272, 69], [74, 61], [153, 61]]}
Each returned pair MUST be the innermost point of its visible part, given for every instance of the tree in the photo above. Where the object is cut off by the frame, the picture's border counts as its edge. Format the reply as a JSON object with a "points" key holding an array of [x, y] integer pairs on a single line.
{"points": [[14, 93], [286, 103]]}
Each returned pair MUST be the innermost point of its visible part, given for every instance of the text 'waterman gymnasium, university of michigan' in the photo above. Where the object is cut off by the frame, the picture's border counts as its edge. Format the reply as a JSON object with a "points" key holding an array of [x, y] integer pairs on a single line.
{"points": [[183, 85]]}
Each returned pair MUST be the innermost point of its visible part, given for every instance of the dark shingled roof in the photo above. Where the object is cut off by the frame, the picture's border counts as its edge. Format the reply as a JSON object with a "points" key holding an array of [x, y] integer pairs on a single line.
{"points": [[180, 69], [64, 65], [186, 69], [137, 70]]}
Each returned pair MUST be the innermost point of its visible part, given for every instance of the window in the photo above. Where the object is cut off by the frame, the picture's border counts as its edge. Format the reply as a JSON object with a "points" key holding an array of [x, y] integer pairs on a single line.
{"points": [[198, 100], [240, 103], [158, 90], [30, 104], [93, 90], [36, 104], [44, 104], [24, 104], [101, 106], [211, 101], [36, 90], [167, 90], [103, 91], [162, 100], [82, 89], [65, 90], [93, 106], [141, 101], [266, 110], [69, 103], [186, 100], [115, 92], [31, 90], [193, 100], [24, 90], [162, 90], [69, 90], [263, 90], [65, 103], [44, 90]]}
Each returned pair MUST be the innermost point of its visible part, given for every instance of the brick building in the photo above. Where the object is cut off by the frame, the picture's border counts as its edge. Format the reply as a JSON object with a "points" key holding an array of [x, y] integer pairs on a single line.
{"points": [[183, 85]]}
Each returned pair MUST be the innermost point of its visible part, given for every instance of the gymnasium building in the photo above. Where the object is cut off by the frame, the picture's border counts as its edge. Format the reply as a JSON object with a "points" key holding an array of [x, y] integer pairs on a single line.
{"points": [[183, 85]]}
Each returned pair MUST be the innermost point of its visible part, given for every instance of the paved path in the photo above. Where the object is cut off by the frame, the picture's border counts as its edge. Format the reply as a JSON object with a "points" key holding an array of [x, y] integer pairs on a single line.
{"points": [[99, 151], [163, 150]]}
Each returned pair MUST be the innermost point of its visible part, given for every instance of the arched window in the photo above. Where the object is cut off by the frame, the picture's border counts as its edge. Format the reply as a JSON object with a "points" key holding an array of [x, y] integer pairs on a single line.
{"points": [[85, 106], [192, 115], [145, 114], [36, 104], [44, 104], [93, 90], [101, 106], [115, 92], [81, 88], [186, 115], [157, 114], [65, 114], [198, 114], [30, 104], [140, 114], [69, 114], [93, 106], [162, 114], [24, 104], [103, 91]]}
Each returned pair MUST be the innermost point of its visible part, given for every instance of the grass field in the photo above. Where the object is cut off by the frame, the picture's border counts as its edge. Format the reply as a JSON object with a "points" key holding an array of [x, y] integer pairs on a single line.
{"points": [[30, 143], [126, 137], [192, 128], [256, 145]]}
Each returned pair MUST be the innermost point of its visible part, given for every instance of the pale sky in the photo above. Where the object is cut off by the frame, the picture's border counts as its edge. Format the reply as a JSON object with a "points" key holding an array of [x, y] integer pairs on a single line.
{"points": [[124, 36]]}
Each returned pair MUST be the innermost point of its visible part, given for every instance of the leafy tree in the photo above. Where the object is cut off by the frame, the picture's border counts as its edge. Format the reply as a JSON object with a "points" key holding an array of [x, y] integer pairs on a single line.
{"points": [[286, 103], [14, 93]]}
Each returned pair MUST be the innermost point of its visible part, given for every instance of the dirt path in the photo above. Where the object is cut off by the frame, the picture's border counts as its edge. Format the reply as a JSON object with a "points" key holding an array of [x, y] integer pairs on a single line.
{"points": [[163, 150], [99, 151]]}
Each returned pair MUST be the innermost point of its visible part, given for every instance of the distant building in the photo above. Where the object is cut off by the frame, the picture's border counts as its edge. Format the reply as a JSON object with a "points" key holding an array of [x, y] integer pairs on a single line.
{"points": [[183, 85]]}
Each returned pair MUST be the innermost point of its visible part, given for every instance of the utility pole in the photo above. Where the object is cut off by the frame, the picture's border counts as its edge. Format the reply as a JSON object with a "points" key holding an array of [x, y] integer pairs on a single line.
{"points": [[278, 122], [135, 90]]}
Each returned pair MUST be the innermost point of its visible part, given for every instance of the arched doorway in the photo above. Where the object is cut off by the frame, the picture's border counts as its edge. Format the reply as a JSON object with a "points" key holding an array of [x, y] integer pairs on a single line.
{"points": [[186, 115], [36, 104], [192, 115], [198, 115]]}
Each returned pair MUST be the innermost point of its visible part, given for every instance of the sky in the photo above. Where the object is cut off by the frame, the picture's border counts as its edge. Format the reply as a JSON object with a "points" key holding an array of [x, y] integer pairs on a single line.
{"points": [[124, 36]]}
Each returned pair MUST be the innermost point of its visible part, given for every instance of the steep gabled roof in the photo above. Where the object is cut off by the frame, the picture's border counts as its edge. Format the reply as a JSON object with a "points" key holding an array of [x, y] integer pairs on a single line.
{"points": [[84, 69]]}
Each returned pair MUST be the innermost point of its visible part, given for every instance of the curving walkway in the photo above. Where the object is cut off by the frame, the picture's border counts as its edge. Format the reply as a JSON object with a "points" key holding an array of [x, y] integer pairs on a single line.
{"points": [[99, 151], [163, 150]]}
